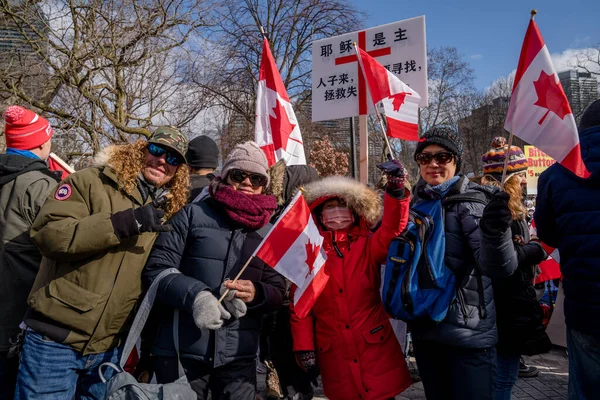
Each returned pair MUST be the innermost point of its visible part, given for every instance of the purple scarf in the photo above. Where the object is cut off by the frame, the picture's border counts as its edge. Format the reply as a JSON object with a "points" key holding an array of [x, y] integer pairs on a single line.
{"points": [[252, 211]]}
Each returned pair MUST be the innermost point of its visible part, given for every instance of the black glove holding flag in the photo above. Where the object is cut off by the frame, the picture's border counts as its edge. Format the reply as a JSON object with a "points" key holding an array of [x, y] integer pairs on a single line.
{"points": [[496, 218], [307, 360], [396, 176]]}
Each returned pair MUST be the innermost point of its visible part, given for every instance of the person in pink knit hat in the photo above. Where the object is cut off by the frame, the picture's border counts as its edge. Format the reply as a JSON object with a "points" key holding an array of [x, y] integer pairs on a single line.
{"points": [[25, 183]]}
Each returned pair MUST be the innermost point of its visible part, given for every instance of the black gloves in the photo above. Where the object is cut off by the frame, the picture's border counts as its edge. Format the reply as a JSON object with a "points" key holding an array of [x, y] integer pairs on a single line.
{"points": [[132, 222], [307, 360], [530, 254], [396, 175], [496, 218]]}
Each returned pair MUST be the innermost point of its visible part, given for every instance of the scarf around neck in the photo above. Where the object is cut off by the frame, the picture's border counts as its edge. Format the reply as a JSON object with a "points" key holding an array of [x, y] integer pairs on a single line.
{"points": [[252, 211]]}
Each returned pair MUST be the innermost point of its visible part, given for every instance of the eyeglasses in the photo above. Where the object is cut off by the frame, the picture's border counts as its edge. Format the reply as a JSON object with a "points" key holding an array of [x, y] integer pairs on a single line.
{"points": [[158, 151], [443, 157], [239, 176]]}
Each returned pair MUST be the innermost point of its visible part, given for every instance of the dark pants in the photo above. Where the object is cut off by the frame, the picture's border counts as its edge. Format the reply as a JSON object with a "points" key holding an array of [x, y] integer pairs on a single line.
{"points": [[8, 375], [455, 373], [584, 365], [233, 381]]}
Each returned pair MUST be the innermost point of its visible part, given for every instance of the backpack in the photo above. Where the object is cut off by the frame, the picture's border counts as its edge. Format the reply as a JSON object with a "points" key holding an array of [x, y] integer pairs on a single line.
{"points": [[417, 286]]}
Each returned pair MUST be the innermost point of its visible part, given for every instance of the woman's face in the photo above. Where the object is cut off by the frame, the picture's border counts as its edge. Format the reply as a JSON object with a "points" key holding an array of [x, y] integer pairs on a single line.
{"points": [[432, 167], [245, 182]]}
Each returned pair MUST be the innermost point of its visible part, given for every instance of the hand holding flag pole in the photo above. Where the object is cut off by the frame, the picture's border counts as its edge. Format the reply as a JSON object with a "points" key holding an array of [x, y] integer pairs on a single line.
{"points": [[383, 129]]}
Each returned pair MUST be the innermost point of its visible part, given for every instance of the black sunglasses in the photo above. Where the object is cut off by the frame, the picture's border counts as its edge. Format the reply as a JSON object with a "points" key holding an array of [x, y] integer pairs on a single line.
{"points": [[443, 157], [239, 176], [158, 151]]}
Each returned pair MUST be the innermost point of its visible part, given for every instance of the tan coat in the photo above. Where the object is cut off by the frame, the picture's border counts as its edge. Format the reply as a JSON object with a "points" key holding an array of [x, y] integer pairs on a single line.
{"points": [[89, 281]]}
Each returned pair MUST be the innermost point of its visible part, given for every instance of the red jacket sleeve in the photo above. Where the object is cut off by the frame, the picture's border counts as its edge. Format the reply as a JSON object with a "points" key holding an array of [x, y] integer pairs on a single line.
{"points": [[303, 329], [393, 222]]}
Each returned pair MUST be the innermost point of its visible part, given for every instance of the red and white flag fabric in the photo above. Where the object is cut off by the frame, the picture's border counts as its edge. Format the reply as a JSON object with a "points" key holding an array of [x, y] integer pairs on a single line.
{"points": [[399, 102], [539, 111], [55, 163], [293, 248], [277, 131]]}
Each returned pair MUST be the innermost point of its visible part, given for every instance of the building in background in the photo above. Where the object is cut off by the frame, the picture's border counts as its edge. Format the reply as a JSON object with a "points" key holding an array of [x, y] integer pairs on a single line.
{"points": [[581, 89]]}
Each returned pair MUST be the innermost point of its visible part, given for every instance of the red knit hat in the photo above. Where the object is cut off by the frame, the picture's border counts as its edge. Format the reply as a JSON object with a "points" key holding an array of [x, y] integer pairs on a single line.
{"points": [[24, 129]]}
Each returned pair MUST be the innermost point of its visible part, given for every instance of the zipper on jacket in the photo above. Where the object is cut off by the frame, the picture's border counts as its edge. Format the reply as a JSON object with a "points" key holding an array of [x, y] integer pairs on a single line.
{"points": [[462, 304], [337, 250]]}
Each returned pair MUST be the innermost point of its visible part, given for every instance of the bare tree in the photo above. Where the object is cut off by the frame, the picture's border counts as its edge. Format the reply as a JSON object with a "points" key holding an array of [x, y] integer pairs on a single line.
{"points": [[112, 68]]}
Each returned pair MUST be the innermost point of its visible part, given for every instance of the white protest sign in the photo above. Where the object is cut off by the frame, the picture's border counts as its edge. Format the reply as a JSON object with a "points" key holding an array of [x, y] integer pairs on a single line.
{"points": [[339, 89]]}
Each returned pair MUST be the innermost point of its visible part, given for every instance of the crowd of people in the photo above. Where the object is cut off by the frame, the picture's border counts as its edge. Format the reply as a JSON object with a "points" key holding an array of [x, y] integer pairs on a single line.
{"points": [[78, 254]]}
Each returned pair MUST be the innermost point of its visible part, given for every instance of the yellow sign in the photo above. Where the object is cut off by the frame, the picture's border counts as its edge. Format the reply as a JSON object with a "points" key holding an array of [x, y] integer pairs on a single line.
{"points": [[538, 162]]}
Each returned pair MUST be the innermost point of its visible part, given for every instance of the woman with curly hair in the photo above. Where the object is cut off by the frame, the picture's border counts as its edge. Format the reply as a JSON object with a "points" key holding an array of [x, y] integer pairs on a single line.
{"points": [[518, 313], [212, 238], [95, 233]]}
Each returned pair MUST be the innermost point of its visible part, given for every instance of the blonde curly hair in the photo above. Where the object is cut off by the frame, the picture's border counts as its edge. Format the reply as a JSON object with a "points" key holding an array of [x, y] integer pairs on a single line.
{"points": [[512, 186], [129, 160]]}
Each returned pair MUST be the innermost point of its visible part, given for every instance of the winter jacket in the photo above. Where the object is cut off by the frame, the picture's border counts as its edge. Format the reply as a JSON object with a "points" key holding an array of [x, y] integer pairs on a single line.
{"points": [[197, 183], [208, 249], [24, 186], [90, 280], [357, 352], [474, 258], [518, 313], [566, 217]]}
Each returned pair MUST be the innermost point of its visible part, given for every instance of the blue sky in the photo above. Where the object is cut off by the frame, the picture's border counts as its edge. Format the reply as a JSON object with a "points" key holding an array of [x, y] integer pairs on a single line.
{"points": [[490, 33]]}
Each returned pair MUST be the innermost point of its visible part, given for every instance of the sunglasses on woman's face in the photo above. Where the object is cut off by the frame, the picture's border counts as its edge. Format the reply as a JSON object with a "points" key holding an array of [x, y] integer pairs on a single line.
{"points": [[443, 157], [239, 176], [158, 151]]}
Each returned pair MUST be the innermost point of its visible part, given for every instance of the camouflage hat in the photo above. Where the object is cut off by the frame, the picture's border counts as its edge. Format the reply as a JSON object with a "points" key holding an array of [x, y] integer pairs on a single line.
{"points": [[171, 138]]}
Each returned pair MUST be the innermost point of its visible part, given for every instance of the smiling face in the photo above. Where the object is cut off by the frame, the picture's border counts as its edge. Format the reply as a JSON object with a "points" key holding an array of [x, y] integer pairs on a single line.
{"points": [[435, 173], [245, 186], [156, 169]]}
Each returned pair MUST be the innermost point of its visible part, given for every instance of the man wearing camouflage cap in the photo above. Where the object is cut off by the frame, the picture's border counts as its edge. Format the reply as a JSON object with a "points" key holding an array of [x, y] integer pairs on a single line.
{"points": [[95, 233]]}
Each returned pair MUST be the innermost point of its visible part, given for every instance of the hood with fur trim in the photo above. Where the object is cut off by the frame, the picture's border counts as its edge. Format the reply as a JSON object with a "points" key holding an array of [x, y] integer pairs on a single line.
{"points": [[360, 198]]}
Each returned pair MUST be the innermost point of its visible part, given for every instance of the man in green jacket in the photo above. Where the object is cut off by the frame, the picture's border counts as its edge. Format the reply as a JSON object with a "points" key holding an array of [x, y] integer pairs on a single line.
{"points": [[95, 233], [25, 182]]}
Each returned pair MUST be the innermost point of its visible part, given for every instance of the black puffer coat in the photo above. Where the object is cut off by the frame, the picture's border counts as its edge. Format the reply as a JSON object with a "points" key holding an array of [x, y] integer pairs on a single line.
{"points": [[474, 258], [519, 314], [208, 249]]}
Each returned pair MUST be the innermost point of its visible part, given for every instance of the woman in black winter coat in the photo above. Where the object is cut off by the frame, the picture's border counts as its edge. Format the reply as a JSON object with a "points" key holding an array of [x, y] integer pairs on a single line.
{"points": [[518, 313], [457, 357], [212, 238]]}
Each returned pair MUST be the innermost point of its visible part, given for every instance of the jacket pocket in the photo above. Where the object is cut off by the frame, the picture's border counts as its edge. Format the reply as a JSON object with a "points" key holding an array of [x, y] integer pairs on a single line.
{"points": [[73, 295], [323, 345], [377, 334]]}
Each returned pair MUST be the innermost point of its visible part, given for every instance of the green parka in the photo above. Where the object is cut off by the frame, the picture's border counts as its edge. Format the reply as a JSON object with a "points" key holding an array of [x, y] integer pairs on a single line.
{"points": [[89, 281]]}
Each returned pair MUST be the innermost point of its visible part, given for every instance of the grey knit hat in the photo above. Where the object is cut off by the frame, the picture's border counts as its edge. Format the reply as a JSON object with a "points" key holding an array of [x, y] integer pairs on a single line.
{"points": [[247, 157]]}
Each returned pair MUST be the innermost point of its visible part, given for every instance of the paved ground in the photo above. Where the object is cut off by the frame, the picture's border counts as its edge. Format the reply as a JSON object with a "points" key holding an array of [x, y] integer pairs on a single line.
{"points": [[551, 383]]}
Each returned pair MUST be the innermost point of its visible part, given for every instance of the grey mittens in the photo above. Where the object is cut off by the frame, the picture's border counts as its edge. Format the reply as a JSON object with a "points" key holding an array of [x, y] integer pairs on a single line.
{"points": [[234, 305], [207, 312]]}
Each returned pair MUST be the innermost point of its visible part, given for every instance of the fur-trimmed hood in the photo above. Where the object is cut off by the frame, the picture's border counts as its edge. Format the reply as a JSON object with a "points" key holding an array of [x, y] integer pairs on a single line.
{"points": [[102, 158], [360, 198]]}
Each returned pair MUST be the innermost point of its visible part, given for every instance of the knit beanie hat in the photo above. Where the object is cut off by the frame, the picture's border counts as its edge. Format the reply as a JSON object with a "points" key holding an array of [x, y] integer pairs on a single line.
{"points": [[493, 160], [24, 129], [247, 157], [446, 137], [202, 153], [590, 117]]}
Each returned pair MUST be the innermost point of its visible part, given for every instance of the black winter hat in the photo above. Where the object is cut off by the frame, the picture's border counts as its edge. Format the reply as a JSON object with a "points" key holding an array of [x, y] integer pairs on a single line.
{"points": [[445, 137], [590, 117], [203, 153]]}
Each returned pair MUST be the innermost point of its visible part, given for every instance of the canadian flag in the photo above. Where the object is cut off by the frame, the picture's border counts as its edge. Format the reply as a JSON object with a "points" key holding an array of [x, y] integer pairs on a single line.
{"points": [[398, 100], [276, 131], [293, 248], [539, 111], [55, 163]]}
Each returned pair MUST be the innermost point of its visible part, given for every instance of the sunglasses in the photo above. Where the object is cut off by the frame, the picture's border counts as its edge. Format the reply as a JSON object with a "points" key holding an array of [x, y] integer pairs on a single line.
{"points": [[443, 157], [239, 176], [158, 151]]}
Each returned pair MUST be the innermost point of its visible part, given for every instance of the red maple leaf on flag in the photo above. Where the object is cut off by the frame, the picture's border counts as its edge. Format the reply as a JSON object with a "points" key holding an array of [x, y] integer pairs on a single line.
{"points": [[281, 127], [551, 96], [312, 252], [398, 100]]}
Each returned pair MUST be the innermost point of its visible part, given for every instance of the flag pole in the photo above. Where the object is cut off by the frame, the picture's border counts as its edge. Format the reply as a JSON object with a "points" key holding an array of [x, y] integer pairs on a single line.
{"points": [[510, 137], [236, 278], [383, 130]]}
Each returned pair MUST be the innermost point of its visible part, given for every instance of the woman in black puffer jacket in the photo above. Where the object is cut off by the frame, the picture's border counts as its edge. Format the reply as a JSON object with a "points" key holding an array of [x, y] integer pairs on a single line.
{"points": [[457, 357], [518, 313]]}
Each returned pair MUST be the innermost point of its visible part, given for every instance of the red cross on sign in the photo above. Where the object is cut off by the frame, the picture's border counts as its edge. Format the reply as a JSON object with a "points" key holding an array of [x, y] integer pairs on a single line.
{"points": [[362, 88]]}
